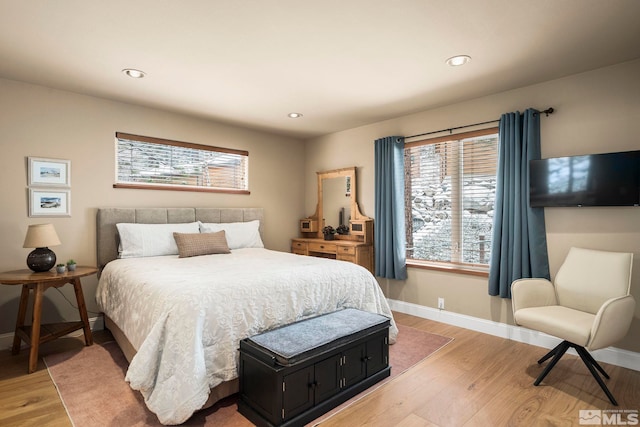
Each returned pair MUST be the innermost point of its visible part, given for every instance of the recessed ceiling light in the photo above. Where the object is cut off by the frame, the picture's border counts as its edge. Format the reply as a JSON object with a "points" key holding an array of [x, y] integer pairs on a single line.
{"points": [[295, 115], [456, 61], [133, 73]]}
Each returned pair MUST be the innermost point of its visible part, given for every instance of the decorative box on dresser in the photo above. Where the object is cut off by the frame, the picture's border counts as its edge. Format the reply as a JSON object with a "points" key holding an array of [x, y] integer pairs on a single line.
{"points": [[336, 200]]}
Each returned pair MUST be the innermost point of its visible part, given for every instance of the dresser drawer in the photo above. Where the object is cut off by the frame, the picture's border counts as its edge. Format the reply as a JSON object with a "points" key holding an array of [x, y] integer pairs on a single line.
{"points": [[299, 246], [346, 257], [328, 248], [347, 250]]}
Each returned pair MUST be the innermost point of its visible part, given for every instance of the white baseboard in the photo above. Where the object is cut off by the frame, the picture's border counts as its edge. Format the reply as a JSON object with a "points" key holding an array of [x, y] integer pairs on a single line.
{"points": [[615, 356], [96, 323]]}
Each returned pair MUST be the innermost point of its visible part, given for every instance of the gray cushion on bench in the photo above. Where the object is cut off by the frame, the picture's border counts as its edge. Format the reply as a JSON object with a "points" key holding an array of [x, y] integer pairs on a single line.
{"points": [[300, 338]]}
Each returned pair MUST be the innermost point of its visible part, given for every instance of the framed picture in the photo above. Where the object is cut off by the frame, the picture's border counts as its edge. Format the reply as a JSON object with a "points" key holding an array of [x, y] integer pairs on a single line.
{"points": [[49, 172], [49, 202]]}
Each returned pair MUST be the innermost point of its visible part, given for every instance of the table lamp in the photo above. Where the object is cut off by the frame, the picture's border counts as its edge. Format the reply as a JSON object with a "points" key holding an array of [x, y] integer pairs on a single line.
{"points": [[40, 236]]}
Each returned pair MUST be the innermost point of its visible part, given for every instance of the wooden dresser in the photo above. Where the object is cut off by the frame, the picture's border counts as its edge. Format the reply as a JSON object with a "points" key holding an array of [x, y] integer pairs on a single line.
{"points": [[337, 206], [345, 250]]}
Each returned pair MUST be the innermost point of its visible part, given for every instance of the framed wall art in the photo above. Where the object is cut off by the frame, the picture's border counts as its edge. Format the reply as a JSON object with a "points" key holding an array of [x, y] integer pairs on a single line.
{"points": [[49, 172], [49, 202]]}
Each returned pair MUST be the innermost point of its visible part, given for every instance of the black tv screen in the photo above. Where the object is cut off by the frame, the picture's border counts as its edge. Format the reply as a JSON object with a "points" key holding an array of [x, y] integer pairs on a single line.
{"points": [[611, 179]]}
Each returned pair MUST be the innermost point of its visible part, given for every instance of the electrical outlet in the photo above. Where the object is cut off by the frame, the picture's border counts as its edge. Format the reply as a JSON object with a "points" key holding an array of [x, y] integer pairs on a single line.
{"points": [[441, 303]]}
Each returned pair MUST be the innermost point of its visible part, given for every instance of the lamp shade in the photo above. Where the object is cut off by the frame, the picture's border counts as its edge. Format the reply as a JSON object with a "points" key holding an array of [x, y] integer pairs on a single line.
{"points": [[41, 236]]}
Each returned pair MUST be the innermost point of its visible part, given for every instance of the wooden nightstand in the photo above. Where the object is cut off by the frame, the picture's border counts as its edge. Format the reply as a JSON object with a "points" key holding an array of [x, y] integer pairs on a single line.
{"points": [[35, 334]]}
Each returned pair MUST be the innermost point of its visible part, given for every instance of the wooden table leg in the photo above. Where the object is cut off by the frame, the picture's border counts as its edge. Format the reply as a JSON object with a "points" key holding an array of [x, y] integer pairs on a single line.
{"points": [[35, 327], [82, 308], [22, 313]]}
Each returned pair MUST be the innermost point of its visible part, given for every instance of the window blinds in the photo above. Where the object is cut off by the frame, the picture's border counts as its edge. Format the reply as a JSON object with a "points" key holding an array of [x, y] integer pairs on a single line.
{"points": [[450, 191], [153, 161]]}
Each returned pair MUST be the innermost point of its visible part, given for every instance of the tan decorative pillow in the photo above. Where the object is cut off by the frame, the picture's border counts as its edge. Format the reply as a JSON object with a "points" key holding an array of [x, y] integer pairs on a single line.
{"points": [[194, 244]]}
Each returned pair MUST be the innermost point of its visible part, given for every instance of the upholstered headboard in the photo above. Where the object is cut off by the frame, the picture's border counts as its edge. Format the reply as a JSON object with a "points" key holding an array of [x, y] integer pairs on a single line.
{"points": [[107, 233]]}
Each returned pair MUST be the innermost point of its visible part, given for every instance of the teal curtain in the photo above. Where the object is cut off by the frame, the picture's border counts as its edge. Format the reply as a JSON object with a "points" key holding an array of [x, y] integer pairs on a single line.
{"points": [[519, 242], [389, 230]]}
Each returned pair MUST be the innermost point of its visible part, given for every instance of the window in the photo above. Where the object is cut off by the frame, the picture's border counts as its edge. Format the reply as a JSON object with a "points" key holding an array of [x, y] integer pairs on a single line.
{"points": [[154, 163], [450, 186]]}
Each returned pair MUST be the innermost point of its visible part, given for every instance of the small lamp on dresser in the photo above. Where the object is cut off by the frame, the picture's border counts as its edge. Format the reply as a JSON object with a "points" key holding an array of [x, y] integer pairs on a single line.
{"points": [[41, 236]]}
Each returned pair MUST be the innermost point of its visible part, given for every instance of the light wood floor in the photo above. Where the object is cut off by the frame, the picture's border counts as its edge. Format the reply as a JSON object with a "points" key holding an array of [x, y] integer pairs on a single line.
{"points": [[476, 380]]}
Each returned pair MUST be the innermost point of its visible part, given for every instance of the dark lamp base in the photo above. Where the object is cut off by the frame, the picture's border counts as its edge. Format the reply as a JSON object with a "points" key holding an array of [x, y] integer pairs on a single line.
{"points": [[41, 259]]}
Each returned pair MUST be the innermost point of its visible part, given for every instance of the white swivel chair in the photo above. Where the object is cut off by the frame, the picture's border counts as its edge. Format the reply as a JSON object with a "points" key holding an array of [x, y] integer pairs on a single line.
{"points": [[588, 307]]}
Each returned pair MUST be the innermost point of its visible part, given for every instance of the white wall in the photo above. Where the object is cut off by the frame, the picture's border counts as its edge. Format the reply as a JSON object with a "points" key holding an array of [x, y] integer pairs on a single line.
{"points": [[596, 112], [43, 122]]}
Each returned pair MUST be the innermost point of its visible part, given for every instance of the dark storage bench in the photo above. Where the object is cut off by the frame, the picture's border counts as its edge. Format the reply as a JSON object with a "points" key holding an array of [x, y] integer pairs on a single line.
{"points": [[294, 374]]}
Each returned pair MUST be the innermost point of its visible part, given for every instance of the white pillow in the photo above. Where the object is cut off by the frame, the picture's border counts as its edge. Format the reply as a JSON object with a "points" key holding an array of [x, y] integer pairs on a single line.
{"points": [[142, 240], [239, 234]]}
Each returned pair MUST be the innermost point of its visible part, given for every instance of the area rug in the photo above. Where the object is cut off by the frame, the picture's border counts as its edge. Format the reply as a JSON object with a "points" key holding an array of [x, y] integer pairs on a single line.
{"points": [[91, 384]]}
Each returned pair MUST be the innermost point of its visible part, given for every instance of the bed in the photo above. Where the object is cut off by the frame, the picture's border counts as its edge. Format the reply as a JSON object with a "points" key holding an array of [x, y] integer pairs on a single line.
{"points": [[179, 320]]}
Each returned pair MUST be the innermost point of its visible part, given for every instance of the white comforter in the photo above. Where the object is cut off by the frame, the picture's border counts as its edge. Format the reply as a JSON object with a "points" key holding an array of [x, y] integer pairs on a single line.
{"points": [[186, 316]]}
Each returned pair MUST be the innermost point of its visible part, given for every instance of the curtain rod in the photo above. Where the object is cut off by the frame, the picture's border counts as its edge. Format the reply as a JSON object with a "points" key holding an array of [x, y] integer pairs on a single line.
{"points": [[548, 111]]}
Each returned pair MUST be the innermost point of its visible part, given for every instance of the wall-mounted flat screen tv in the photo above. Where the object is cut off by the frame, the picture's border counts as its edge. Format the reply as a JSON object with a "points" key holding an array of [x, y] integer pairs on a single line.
{"points": [[610, 179]]}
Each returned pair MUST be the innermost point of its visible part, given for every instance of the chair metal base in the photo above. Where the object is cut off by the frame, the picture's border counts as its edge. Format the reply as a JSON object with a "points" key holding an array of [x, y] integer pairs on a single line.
{"points": [[588, 360]]}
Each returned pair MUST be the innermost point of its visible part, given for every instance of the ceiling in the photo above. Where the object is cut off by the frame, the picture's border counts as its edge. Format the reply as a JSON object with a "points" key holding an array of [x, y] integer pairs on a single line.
{"points": [[342, 64]]}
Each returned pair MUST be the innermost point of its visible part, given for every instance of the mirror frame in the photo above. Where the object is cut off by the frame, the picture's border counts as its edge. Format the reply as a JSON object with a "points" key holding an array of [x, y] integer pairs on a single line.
{"points": [[350, 173]]}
